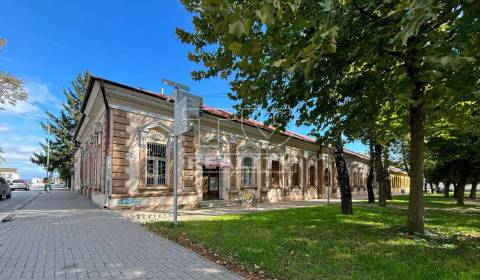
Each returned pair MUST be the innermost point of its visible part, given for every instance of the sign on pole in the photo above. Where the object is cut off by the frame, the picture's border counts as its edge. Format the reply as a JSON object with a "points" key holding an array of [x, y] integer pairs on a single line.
{"points": [[185, 107]]}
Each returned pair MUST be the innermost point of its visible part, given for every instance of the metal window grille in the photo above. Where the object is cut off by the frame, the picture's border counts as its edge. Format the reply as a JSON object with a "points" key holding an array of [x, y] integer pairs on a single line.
{"points": [[156, 164]]}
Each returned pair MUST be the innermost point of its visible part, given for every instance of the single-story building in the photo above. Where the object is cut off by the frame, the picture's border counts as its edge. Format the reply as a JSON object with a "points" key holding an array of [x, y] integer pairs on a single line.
{"points": [[9, 174], [124, 155]]}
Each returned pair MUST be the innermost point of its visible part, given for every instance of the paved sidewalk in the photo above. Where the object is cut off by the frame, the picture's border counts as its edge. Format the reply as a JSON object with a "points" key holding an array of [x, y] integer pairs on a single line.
{"points": [[61, 235], [145, 216]]}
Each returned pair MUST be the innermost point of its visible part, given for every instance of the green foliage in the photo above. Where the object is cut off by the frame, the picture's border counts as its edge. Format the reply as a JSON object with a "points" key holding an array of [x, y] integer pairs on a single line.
{"points": [[62, 128], [341, 64], [12, 89], [366, 69]]}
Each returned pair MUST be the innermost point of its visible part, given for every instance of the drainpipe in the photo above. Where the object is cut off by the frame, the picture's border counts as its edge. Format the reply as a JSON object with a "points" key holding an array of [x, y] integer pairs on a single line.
{"points": [[108, 139]]}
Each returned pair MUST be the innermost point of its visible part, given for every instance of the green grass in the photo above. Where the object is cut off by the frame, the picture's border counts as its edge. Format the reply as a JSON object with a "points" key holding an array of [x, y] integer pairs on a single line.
{"points": [[320, 243], [434, 201]]}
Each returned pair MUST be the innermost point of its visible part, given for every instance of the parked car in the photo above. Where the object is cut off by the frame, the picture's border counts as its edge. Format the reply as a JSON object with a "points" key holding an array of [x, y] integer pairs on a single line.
{"points": [[20, 184], [5, 191]]}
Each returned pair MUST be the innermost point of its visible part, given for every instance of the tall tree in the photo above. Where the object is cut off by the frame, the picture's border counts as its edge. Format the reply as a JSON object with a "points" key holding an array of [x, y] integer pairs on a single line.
{"points": [[62, 128], [308, 55], [12, 89]]}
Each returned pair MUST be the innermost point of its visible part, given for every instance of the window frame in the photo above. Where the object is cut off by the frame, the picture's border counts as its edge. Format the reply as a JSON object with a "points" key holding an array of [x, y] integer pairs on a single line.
{"points": [[275, 174], [248, 169], [157, 178], [311, 175], [295, 174]]}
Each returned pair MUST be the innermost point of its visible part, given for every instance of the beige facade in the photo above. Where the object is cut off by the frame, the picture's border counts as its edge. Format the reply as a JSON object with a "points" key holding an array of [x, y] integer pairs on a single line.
{"points": [[125, 157]]}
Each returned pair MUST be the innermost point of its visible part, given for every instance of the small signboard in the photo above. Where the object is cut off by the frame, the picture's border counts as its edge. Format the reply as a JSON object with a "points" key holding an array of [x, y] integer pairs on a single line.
{"points": [[248, 199], [186, 106]]}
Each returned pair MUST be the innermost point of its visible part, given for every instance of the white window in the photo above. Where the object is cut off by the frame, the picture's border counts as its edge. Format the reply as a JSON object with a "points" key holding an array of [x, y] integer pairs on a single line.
{"points": [[156, 164], [248, 171]]}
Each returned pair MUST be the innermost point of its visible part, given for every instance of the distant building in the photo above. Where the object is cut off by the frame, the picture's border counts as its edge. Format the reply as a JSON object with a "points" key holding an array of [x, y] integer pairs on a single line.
{"points": [[9, 174]]}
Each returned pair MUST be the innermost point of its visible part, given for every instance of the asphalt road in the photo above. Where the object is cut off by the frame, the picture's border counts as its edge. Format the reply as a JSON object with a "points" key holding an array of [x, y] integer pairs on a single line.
{"points": [[18, 197]]}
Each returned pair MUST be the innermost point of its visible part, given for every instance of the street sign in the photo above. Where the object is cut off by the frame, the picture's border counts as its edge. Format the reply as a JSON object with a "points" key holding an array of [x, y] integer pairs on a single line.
{"points": [[180, 117], [187, 106]]}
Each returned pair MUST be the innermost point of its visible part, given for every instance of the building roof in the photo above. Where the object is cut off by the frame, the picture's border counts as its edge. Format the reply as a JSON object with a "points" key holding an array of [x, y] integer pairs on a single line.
{"points": [[206, 109], [396, 170], [8, 169]]}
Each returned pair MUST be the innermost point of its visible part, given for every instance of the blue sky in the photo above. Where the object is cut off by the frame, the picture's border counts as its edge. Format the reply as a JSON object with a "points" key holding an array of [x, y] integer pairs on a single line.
{"points": [[132, 42]]}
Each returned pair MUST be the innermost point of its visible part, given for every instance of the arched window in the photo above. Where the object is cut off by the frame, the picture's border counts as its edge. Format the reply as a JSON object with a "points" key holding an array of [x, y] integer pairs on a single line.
{"points": [[248, 178], [311, 175], [326, 177]]}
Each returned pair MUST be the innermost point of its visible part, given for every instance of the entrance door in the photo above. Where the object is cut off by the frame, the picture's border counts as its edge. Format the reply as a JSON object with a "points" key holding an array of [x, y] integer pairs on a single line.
{"points": [[210, 184]]}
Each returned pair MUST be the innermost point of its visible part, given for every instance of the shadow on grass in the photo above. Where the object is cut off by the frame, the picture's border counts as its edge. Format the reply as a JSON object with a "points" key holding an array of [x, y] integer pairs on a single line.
{"points": [[318, 242]]}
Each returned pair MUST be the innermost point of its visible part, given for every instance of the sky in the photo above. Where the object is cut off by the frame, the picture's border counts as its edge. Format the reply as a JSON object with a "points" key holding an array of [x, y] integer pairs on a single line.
{"points": [[131, 42]]}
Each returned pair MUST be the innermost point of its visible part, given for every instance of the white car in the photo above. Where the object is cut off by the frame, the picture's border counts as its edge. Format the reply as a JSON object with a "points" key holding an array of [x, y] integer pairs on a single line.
{"points": [[20, 184]]}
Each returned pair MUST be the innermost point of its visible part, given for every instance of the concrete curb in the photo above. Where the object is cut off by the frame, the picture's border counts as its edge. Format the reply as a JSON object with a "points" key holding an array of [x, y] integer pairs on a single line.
{"points": [[9, 215]]}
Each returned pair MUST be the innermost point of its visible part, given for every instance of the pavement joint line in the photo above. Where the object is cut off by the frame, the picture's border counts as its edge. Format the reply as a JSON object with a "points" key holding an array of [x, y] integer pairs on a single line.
{"points": [[173, 243], [9, 215]]}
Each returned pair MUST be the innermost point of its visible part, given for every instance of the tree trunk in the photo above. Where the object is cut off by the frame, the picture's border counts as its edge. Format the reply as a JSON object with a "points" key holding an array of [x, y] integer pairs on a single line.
{"points": [[437, 187], [371, 194], [473, 191], [431, 188], [455, 190], [386, 174], [342, 175], [461, 191], [415, 220], [382, 199], [446, 190], [387, 183]]}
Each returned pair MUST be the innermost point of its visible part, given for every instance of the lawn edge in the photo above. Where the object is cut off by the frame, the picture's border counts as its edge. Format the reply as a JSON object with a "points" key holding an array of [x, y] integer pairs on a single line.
{"points": [[210, 254]]}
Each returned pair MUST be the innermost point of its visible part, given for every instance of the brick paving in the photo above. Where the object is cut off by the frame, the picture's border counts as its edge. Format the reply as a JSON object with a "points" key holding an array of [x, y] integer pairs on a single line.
{"points": [[62, 235]]}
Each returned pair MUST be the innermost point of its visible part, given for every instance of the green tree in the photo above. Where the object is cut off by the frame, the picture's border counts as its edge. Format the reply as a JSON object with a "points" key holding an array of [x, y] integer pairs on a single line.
{"points": [[310, 56], [62, 128], [12, 89]]}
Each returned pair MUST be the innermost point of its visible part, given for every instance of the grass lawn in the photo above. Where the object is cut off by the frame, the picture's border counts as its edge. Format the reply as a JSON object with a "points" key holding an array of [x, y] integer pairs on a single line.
{"points": [[437, 201], [319, 243]]}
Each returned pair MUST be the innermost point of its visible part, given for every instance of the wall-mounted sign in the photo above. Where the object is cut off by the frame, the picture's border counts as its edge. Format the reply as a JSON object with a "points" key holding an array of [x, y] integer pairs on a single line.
{"points": [[129, 201]]}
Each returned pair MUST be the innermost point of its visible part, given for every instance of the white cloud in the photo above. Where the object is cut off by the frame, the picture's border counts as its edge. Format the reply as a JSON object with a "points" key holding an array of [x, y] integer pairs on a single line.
{"points": [[39, 99], [4, 127], [18, 152]]}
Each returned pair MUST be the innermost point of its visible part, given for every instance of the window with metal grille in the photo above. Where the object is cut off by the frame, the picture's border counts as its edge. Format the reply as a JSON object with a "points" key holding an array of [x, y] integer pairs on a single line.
{"points": [[275, 172], [156, 164], [248, 171], [296, 174]]}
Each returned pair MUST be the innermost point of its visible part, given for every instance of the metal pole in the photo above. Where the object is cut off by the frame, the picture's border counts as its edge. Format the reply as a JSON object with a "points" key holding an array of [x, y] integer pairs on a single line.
{"points": [[175, 179], [48, 148]]}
